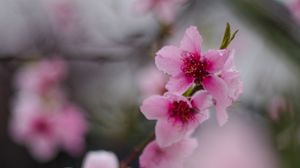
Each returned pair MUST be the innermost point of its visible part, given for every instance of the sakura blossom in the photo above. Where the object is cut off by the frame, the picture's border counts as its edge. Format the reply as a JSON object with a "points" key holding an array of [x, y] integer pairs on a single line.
{"points": [[212, 71], [40, 78], [164, 9], [173, 156], [43, 119], [100, 159], [177, 117]]}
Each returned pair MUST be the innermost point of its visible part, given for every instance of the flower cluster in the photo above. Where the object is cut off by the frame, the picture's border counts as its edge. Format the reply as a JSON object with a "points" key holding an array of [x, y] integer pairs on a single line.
{"points": [[42, 117], [197, 81]]}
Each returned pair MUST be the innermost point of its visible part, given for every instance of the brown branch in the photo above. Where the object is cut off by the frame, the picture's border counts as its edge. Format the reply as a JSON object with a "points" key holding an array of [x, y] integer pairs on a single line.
{"points": [[136, 151]]}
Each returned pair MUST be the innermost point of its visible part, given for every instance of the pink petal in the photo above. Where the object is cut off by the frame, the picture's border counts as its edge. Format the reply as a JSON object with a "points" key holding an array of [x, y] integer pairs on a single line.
{"points": [[172, 156], [229, 64], [201, 100], [183, 149], [202, 116], [219, 91], [152, 156], [191, 41], [155, 107], [179, 84], [168, 59], [167, 133], [43, 148], [100, 159], [234, 83], [222, 115], [216, 59]]}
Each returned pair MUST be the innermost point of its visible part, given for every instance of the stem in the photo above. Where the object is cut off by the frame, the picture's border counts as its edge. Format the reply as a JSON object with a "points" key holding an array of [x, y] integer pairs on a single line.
{"points": [[136, 151]]}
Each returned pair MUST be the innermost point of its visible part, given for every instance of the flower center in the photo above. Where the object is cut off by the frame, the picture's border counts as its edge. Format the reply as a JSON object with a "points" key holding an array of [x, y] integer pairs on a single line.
{"points": [[182, 112], [193, 67], [41, 126]]}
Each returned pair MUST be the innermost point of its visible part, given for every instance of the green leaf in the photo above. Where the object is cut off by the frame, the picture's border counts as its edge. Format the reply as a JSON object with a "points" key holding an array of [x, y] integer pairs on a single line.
{"points": [[227, 38]]}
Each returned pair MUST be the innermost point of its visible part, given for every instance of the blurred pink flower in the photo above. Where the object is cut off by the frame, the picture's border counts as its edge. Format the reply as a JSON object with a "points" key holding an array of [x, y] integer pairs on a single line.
{"points": [[151, 81], [74, 126], [295, 9], [277, 105], [42, 118], [165, 9], [242, 143], [63, 15], [100, 159], [176, 116], [32, 124], [42, 76], [188, 66], [172, 156]]}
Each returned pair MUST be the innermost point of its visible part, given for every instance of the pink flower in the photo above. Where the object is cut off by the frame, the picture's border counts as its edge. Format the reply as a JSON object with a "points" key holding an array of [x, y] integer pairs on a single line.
{"points": [[151, 81], [172, 156], [295, 9], [100, 159], [45, 129], [74, 126], [188, 66], [42, 118], [42, 76], [176, 116], [33, 125], [165, 9]]}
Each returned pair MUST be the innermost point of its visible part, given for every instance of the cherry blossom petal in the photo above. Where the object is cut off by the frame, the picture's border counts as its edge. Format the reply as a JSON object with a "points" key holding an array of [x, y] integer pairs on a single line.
{"points": [[222, 115], [100, 159], [42, 148], [216, 59], [201, 100], [183, 148], [235, 86], [168, 59], [172, 156], [155, 107], [167, 133], [219, 91], [179, 84], [191, 41], [229, 64]]}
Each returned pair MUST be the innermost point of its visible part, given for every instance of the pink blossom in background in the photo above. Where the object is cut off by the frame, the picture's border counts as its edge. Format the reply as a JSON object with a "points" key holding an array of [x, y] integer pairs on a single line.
{"points": [[32, 125], [242, 143], [295, 9], [164, 9], [177, 117], [100, 159], [63, 15], [277, 105], [187, 66], [42, 118], [41, 77], [74, 126], [151, 81], [172, 156]]}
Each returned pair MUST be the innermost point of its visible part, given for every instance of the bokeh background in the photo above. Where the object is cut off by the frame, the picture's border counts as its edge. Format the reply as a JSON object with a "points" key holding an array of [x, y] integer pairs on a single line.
{"points": [[109, 48]]}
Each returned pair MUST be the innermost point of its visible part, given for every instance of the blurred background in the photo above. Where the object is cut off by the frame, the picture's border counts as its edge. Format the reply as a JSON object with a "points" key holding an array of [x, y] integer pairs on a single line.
{"points": [[99, 55]]}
